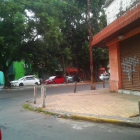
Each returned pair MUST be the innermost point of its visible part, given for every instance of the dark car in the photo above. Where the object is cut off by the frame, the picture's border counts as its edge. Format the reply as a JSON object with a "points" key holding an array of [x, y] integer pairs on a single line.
{"points": [[76, 78]]}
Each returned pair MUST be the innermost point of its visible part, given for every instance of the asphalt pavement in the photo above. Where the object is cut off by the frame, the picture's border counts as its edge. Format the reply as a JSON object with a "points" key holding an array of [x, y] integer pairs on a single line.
{"points": [[17, 123]]}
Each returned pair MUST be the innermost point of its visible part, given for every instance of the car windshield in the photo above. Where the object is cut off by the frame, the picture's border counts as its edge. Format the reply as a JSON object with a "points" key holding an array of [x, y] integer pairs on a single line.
{"points": [[19, 78], [52, 77]]}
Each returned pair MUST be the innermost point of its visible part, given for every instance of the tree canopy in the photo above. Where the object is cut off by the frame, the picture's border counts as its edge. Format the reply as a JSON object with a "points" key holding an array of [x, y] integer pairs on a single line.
{"points": [[42, 32], [75, 32], [21, 23]]}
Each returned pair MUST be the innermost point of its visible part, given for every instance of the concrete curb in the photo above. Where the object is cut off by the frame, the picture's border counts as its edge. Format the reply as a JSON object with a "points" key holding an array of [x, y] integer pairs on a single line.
{"points": [[93, 118], [47, 86], [106, 120]]}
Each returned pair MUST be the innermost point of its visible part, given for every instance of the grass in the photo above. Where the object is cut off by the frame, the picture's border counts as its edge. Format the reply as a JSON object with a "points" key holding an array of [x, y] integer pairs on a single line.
{"points": [[39, 109], [27, 106], [73, 117], [65, 116]]}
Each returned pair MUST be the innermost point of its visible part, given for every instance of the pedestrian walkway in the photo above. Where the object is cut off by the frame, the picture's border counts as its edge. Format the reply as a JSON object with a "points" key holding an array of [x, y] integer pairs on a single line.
{"points": [[97, 103]]}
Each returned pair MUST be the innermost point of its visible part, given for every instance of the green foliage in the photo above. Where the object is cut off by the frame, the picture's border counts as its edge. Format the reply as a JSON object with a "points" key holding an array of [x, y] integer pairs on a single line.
{"points": [[21, 23], [65, 116], [100, 58], [76, 32], [39, 109], [62, 25], [27, 106]]}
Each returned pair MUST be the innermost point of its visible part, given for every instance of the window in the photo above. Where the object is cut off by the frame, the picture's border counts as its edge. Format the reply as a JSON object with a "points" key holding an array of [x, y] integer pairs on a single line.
{"points": [[27, 78], [31, 78]]}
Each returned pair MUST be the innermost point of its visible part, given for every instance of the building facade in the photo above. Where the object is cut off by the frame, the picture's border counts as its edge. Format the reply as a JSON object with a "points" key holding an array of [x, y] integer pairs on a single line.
{"points": [[114, 8], [17, 70], [1, 78], [122, 38]]}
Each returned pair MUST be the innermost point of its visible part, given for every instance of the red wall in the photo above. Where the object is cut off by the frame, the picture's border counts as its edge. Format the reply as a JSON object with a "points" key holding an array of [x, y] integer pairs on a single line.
{"points": [[115, 71]]}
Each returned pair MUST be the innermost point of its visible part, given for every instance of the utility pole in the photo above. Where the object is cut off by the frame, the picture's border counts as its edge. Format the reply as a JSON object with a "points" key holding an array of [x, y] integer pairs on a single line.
{"points": [[90, 48]]}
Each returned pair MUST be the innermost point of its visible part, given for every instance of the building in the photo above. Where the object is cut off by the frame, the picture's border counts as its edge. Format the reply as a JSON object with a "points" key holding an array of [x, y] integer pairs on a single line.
{"points": [[114, 8], [122, 38], [17, 70], [1, 78]]}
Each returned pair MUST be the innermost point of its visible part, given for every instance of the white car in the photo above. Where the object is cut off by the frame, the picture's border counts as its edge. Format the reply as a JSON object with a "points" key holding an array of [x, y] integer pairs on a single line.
{"points": [[69, 79], [104, 76], [26, 80]]}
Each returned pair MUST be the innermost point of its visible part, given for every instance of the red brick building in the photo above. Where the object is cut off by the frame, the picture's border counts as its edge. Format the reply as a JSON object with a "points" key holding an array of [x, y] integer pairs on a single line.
{"points": [[122, 38]]}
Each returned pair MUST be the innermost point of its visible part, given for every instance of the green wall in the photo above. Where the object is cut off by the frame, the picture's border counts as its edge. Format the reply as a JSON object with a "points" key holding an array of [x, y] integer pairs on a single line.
{"points": [[17, 70]]}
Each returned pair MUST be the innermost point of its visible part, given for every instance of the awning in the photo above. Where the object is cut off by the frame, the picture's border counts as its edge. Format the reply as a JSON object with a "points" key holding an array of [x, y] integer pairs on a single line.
{"points": [[125, 23]]}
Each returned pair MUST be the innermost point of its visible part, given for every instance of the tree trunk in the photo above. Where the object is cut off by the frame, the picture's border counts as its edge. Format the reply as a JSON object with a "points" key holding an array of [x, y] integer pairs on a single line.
{"points": [[64, 69], [6, 78], [86, 74]]}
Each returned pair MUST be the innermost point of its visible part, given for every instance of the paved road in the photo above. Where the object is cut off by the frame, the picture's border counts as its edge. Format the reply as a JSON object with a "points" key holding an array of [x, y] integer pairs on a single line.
{"points": [[17, 123]]}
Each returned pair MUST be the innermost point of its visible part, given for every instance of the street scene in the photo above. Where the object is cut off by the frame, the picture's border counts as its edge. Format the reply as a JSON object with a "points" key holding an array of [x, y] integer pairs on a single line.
{"points": [[69, 69], [17, 122]]}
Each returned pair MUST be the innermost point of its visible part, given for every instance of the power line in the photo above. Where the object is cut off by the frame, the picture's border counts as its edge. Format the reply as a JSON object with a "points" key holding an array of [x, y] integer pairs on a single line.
{"points": [[86, 21], [72, 6]]}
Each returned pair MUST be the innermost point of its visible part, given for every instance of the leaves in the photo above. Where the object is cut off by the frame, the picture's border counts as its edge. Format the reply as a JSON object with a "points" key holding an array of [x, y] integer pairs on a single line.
{"points": [[41, 32], [76, 32]]}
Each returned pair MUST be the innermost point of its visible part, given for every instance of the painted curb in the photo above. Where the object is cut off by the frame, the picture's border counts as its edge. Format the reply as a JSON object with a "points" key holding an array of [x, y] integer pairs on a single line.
{"points": [[94, 119], [106, 120]]}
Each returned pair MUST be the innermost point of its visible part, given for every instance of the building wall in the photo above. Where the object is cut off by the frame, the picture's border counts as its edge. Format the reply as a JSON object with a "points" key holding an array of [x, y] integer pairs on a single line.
{"points": [[114, 8], [130, 62], [19, 69], [1, 78], [115, 71]]}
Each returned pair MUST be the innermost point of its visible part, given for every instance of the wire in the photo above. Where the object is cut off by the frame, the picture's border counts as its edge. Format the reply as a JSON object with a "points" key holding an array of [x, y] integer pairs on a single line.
{"points": [[72, 6], [86, 21]]}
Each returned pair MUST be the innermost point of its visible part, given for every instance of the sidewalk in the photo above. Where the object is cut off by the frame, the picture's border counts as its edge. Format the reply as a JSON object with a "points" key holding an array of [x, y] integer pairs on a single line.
{"points": [[97, 105]]}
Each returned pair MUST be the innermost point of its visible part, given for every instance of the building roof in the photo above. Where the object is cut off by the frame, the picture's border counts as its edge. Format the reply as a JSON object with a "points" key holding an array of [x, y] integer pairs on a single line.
{"points": [[125, 23], [107, 3]]}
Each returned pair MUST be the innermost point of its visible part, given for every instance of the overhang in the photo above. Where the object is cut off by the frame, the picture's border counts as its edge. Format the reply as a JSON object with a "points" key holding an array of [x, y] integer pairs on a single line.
{"points": [[125, 23]]}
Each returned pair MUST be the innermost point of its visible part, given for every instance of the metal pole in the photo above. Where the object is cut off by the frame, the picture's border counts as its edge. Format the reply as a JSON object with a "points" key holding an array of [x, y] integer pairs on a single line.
{"points": [[75, 87], [103, 83], [139, 107], [35, 94], [43, 95], [90, 46]]}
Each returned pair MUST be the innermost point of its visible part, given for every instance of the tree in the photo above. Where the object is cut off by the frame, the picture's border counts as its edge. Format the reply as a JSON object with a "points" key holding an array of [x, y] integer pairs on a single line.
{"points": [[76, 33], [21, 22]]}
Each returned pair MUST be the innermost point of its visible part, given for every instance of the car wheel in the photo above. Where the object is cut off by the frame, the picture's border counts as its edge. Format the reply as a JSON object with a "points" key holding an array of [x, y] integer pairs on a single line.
{"points": [[21, 84], [62, 82], [36, 83], [53, 82]]}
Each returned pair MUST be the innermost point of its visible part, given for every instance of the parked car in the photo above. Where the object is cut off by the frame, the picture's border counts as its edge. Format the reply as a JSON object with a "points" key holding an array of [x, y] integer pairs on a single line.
{"points": [[54, 80], [76, 78], [69, 79], [26, 80], [104, 76]]}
